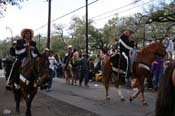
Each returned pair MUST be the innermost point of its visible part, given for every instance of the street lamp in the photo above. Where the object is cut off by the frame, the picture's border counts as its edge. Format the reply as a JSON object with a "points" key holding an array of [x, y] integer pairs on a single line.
{"points": [[11, 34]]}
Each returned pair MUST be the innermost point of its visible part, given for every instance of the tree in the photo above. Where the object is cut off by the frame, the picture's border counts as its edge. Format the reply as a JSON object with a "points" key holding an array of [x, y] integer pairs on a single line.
{"points": [[158, 19], [77, 32], [4, 3], [164, 13]]}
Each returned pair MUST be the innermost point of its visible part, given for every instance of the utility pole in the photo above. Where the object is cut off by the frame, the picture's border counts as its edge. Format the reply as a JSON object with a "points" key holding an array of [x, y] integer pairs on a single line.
{"points": [[87, 28], [49, 21]]}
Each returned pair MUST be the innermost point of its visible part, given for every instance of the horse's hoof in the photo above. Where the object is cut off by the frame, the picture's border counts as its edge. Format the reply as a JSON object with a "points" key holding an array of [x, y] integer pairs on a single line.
{"points": [[108, 98], [122, 99], [130, 99]]}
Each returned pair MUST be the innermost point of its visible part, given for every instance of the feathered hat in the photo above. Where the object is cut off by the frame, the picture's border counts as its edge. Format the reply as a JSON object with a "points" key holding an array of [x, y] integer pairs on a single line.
{"points": [[27, 30]]}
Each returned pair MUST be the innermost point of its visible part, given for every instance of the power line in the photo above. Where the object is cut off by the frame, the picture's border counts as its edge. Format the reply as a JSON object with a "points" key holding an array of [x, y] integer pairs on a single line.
{"points": [[66, 15], [116, 9], [123, 11]]}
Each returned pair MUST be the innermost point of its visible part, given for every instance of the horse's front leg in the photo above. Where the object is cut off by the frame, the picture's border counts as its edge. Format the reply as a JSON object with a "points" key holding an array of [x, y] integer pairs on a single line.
{"points": [[120, 93], [118, 87], [29, 102], [17, 95], [142, 94], [135, 84], [106, 84], [134, 95], [28, 95]]}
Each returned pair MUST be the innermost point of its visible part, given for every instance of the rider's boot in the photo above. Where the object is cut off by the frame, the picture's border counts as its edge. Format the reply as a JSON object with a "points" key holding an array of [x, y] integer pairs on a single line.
{"points": [[9, 85]]}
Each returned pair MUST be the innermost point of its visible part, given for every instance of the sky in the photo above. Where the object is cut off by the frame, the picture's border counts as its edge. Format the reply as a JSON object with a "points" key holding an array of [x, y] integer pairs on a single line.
{"points": [[34, 14]]}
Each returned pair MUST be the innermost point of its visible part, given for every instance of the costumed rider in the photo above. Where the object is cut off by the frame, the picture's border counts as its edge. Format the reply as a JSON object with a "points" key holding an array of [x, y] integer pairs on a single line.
{"points": [[24, 50], [126, 47], [68, 56]]}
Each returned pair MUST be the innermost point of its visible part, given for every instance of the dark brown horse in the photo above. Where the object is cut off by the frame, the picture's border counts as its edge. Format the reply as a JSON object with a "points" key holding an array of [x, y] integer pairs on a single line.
{"points": [[142, 65], [34, 73], [165, 103]]}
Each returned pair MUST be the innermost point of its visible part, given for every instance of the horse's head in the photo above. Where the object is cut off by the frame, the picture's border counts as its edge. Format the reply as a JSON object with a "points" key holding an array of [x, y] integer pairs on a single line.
{"points": [[42, 68], [156, 48], [160, 49]]}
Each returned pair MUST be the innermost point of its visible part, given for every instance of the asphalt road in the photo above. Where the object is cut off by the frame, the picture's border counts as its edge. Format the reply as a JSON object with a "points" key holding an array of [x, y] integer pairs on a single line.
{"points": [[42, 105], [93, 99], [68, 100]]}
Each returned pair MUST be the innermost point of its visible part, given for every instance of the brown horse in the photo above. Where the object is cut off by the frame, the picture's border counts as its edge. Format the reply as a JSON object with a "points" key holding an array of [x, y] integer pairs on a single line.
{"points": [[118, 65], [33, 74], [165, 103], [142, 65]]}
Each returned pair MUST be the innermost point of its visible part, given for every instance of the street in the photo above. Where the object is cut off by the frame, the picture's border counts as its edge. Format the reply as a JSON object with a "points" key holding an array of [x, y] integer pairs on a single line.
{"points": [[68, 100]]}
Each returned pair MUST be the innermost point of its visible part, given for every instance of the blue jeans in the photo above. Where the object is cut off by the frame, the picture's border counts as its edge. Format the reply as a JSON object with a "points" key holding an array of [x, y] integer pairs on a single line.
{"points": [[51, 72], [156, 79]]}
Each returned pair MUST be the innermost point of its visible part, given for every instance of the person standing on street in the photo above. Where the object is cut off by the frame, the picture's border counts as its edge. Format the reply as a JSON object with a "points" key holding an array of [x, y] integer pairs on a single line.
{"points": [[84, 70], [52, 62]]}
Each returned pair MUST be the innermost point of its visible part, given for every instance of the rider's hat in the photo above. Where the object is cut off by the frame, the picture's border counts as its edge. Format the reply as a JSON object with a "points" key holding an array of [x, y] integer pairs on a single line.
{"points": [[46, 49], [165, 35], [128, 30], [14, 42], [27, 30], [69, 46]]}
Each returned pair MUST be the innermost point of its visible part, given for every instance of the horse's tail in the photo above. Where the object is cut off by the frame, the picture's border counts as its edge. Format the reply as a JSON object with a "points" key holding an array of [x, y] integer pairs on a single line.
{"points": [[165, 98]]}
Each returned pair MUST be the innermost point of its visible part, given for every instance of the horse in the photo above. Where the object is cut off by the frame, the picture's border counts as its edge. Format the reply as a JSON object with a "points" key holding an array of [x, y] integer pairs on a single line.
{"points": [[118, 65], [74, 63], [68, 73], [165, 101], [71, 71], [142, 65], [34, 73]]}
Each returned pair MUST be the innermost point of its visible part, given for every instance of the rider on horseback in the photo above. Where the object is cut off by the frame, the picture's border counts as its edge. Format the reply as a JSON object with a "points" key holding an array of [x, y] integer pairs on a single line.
{"points": [[22, 49], [68, 56], [126, 46]]}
